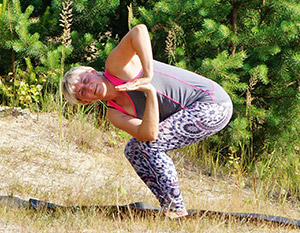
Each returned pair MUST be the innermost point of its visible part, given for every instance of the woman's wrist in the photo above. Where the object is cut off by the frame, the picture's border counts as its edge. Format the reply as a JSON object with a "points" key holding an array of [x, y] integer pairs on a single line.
{"points": [[147, 73], [150, 89]]}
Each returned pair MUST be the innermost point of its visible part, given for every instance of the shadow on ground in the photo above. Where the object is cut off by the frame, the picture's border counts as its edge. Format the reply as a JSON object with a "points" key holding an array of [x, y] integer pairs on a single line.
{"points": [[143, 209]]}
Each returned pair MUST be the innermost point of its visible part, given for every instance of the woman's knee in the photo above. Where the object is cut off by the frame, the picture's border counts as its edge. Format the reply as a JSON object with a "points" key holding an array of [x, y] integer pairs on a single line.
{"points": [[135, 147]]}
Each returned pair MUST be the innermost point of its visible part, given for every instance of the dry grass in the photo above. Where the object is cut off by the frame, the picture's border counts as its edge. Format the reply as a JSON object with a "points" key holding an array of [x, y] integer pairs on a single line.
{"points": [[15, 220], [89, 168]]}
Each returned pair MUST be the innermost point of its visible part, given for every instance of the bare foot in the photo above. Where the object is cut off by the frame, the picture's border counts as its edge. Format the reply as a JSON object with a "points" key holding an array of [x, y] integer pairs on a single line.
{"points": [[177, 214]]}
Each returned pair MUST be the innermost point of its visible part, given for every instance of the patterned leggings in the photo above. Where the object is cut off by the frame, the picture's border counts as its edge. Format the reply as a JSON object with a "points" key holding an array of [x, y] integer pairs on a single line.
{"points": [[155, 167]]}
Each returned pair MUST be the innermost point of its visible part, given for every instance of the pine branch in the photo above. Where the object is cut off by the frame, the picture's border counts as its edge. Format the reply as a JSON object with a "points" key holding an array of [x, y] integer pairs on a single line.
{"points": [[275, 97]]}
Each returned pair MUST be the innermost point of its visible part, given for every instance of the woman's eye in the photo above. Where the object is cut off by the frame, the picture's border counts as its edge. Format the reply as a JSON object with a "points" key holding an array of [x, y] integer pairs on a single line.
{"points": [[85, 80], [81, 92]]}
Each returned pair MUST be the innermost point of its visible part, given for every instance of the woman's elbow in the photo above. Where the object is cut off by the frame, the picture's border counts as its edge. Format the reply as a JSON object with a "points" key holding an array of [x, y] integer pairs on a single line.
{"points": [[152, 137], [140, 28], [148, 138]]}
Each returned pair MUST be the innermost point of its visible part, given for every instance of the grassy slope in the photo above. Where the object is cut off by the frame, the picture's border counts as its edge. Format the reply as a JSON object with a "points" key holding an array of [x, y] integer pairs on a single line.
{"points": [[87, 166]]}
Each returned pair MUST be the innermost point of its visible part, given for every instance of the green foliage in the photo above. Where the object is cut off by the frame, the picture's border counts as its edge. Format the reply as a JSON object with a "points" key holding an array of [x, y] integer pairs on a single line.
{"points": [[43, 47], [222, 70], [22, 87], [251, 48], [17, 42], [28, 86]]}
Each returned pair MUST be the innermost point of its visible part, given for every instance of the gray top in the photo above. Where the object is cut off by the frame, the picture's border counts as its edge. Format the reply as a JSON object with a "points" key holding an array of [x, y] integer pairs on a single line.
{"points": [[177, 89]]}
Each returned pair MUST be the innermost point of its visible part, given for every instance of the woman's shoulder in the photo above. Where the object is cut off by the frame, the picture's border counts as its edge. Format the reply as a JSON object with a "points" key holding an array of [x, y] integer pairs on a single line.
{"points": [[126, 72]]}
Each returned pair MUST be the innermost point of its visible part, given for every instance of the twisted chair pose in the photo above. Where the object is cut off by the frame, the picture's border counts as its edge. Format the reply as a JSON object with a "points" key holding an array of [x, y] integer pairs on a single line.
{"points": [[163, 107]]}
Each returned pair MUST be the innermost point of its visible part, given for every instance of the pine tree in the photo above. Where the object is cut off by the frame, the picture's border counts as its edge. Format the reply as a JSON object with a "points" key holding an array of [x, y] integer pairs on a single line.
{"points": [[27, 78], [252, 49], [17, 43]]}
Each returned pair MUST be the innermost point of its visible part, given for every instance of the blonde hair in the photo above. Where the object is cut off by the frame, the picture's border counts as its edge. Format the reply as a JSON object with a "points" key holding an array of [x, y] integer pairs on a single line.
{"points": [[69, 81]]}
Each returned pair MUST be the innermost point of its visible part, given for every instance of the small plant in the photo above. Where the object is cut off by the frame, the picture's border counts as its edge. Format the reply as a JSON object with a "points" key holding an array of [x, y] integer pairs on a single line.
{"points": [[66, 22]]}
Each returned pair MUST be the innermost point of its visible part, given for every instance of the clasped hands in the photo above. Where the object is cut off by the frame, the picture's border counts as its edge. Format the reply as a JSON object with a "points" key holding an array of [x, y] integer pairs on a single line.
{"points": [[139, 84]]}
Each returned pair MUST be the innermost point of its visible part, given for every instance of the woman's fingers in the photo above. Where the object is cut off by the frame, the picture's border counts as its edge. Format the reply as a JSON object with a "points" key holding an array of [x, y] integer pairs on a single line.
{"points": [[126, 87], [134, 85], [141, 87]]}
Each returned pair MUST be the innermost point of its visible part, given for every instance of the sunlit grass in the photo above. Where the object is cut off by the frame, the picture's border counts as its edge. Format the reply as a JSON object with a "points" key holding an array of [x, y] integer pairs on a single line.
{"points": [[89, 168], [25, 220]]}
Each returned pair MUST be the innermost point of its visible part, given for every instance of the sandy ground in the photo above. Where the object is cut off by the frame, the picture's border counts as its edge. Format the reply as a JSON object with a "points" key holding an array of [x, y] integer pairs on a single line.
{"points": [[36, 162], [73, 163]]}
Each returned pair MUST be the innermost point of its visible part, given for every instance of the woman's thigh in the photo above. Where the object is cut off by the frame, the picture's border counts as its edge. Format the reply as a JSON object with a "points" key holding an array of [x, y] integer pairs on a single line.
{"points": [[196, 122]]}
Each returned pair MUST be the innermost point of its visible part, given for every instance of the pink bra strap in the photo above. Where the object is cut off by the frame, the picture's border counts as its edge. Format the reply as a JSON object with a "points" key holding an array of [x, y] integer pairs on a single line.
{"points": [[118, 107], [113, 79], [116, 81]]}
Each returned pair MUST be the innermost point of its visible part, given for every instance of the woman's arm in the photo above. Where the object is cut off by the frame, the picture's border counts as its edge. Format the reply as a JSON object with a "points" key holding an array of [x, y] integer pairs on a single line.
{"points": [[145, 129], [122, 61]]}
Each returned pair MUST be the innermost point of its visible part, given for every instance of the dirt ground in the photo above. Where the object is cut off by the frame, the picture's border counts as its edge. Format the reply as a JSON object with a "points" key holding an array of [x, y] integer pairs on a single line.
{"points": [[72, 163], [35, 160]]}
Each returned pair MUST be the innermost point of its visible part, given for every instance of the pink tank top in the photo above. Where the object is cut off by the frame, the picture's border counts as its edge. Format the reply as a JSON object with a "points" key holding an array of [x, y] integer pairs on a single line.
{"points": [[116, 81]]}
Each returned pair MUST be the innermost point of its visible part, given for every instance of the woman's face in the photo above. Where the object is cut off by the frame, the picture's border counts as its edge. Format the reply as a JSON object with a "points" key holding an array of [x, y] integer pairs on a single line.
{"points": [[90, 87]]}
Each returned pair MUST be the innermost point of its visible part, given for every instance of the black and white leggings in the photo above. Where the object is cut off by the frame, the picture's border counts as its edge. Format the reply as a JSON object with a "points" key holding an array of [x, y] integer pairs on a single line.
{"points": [[150, 159]]}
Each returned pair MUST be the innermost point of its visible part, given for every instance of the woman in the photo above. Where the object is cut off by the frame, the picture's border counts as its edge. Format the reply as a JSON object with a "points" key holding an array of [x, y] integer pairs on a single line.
{"points": [[163, 107]]}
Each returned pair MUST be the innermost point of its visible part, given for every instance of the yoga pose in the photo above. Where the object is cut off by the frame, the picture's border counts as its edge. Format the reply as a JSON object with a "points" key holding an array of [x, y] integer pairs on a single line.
{"points": [[163, 107]]}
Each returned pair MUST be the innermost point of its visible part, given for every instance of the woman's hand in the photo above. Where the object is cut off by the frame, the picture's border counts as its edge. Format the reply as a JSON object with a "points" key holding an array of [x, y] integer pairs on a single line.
{"points": [[140, 84]]}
